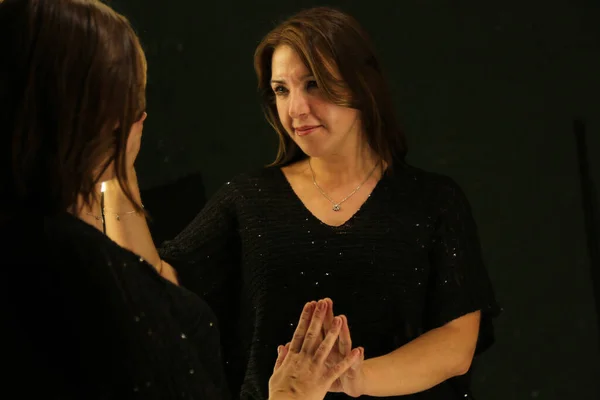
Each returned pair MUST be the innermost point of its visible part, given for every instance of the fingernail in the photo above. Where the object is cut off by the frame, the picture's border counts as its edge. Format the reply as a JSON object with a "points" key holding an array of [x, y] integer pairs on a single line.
{"points": [[336, 321], [278, 349]]}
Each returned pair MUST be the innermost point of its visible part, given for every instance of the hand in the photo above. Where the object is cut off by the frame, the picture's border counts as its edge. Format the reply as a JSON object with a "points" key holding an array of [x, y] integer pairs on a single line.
{"points": [[168, 272], [300, 371], [352, 382]]}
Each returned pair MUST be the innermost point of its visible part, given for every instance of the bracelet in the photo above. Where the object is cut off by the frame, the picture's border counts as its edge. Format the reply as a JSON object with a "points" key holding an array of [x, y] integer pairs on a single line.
{"points": [[119, 215], [96, 217]]}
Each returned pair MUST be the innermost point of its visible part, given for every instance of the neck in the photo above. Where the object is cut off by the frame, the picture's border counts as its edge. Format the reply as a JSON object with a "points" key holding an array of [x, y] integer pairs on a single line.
{"points": [[92, 215], [339, 170]]}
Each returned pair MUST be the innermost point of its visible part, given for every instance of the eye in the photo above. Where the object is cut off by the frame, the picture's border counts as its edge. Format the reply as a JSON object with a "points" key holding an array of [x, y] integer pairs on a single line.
{"points": [[311, 85], [279, 90]]}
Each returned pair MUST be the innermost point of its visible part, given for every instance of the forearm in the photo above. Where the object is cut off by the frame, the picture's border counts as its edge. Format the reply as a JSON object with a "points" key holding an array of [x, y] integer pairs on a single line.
{"points": [[430, 359], [130, 230], [281, 396]]}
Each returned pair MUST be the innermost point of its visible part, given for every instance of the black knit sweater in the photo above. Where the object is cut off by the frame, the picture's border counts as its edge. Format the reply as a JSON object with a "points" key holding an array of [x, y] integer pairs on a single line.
{"points": [[408, 261]]}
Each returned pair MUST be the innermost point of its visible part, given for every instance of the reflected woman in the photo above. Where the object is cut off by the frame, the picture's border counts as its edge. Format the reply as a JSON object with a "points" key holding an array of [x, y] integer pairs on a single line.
{"points": [[339, 214]]}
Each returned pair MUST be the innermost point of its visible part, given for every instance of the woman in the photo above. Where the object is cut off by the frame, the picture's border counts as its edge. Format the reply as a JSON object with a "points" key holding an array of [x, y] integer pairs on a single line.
{"points": [[339, 214], [88, 318]]}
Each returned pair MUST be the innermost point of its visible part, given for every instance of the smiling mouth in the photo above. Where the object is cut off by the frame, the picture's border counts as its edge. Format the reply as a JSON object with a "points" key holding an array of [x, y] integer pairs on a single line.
{"points": [[305, 130]]}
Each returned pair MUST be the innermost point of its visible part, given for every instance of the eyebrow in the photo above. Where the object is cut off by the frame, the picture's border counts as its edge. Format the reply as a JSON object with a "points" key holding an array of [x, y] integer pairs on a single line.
{"points": [[280, 80]]}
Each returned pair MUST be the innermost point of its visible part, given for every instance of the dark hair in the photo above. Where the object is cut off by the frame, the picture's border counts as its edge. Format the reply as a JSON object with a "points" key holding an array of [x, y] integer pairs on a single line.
{"points": [[72, 84], [333, 45]]}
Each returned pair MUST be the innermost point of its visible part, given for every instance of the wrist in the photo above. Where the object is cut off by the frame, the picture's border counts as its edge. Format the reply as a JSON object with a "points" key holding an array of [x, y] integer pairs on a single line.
{"points": [[368, 377], [131, 181], [114, 196], [281, 396]]}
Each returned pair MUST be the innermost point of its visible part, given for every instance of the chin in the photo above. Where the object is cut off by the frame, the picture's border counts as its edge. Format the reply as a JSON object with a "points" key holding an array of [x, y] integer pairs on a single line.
{"points": [[311, 147], [313, 151]]}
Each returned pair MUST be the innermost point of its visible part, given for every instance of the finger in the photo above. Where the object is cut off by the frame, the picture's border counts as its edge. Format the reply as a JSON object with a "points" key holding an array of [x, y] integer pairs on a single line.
{"points": [[300, 332], [327, 344], [340, 368], [361, 357], [312, 338], [327, 323], [281, 353], [356, 365], [344, 341]]}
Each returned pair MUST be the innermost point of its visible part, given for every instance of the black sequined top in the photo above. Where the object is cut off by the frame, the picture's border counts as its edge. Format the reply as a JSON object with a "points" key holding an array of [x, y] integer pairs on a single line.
{"points": [[408, 261], [90, 320]]}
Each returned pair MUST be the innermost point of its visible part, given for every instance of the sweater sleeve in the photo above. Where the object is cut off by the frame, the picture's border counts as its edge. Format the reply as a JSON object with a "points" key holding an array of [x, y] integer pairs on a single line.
{"points": [[206, 253], [206, 257], [459, 282]]}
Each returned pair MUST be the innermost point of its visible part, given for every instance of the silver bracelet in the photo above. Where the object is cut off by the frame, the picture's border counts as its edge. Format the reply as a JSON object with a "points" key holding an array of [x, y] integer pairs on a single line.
{"points": [[96, 217], [119, 215]]}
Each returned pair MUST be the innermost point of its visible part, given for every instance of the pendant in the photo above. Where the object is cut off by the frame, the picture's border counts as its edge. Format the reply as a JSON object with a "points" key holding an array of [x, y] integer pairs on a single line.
{"points": [[336, 207]]}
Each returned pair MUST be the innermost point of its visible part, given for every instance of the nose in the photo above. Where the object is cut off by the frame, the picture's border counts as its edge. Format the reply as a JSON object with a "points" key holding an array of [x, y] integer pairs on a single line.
{"points": [[298, 105]]}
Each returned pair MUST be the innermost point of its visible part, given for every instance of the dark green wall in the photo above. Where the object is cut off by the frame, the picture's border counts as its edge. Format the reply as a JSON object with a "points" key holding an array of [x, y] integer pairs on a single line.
{"points": [[487, 92]]}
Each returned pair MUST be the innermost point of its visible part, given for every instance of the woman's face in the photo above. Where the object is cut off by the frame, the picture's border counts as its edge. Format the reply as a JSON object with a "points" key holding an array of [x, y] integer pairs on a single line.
{"points": [[319, 127]]}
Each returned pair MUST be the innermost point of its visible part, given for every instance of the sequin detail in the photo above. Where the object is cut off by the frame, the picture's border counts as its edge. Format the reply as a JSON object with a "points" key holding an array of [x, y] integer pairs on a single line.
{"points": [[411, 250]]}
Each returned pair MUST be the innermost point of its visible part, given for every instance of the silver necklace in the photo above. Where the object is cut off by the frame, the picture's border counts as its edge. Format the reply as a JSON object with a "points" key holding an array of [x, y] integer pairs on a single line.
{"points": [[337, 206]]}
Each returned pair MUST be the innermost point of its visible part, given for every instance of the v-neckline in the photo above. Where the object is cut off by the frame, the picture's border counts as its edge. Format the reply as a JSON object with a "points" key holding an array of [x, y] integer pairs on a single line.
{"points": [[312, 216]]}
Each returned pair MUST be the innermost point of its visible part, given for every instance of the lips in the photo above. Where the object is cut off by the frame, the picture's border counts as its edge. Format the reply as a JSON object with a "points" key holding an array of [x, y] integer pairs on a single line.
{"points": [[305, 130]]}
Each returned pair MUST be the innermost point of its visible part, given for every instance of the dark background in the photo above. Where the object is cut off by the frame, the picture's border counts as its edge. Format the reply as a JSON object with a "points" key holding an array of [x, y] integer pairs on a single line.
{"points": [[487, 92]]}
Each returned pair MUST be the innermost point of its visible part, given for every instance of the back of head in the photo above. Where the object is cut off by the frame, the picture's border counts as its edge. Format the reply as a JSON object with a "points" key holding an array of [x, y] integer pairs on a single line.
{"points": [[340, 56], [72, 83]]}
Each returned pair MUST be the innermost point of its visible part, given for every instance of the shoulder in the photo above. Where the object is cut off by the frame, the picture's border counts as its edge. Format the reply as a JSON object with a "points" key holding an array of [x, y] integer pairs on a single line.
{"points": [[432, 187], [62, 258], [81, 250], [67, 235], [267, 173], [235, 193], [252, 180]]}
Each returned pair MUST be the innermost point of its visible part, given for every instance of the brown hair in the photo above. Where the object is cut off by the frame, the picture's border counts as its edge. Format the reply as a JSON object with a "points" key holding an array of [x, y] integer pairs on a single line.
{"points": [[70, 72], [340, 56]]}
